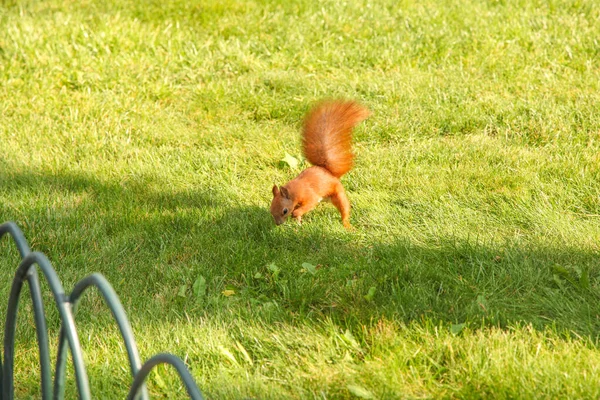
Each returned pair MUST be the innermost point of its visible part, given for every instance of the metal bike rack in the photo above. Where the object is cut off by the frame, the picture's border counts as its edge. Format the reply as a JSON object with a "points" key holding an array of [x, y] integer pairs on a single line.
{"points": [[67, 304]]}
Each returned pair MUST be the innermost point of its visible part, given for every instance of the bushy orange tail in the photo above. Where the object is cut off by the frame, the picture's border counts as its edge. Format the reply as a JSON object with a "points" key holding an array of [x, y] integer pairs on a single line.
{"points": [[327, 135]]}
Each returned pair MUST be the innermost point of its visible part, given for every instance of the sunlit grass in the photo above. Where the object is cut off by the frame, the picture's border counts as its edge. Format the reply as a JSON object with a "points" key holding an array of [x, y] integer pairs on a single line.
{"points": [[141, 139]]}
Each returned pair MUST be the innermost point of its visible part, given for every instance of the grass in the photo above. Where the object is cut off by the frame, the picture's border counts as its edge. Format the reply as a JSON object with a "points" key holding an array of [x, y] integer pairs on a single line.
{"points": [[141, 140]]}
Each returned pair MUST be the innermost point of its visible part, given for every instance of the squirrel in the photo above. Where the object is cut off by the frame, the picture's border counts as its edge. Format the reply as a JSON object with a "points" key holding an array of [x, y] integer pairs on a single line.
{"points": [[327, 145]]}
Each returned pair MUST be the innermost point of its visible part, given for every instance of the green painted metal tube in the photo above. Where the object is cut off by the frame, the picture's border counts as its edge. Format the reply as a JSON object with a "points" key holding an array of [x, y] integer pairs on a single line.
{"points": [[18, 237], [116, 308], [38, 311], [66, 316], [177, 363]]}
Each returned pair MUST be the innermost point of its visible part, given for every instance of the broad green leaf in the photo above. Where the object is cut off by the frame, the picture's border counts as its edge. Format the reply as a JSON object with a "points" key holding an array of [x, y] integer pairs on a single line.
{"points": [[455, 329], [199, 287], [371, 293], [274, 269], [310, 268], [181, 291], [360, 392], [291, 161], [560, 270]]}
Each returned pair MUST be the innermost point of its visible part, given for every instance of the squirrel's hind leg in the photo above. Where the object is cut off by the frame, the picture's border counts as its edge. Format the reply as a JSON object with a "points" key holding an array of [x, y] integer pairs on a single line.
{"points": [[341, 202]]}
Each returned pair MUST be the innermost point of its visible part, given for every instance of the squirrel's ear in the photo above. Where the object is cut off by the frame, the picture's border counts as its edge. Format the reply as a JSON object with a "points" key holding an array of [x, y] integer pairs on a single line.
{"points": [[284, 192], [275, 190]]}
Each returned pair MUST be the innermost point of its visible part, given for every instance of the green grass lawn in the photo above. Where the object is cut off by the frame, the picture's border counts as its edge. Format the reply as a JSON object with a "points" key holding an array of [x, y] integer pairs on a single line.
{"points": [[140, 139]]}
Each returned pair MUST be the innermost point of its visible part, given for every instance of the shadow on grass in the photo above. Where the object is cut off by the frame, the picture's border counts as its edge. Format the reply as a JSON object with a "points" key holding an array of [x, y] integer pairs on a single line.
{"points": [[153, 245]]}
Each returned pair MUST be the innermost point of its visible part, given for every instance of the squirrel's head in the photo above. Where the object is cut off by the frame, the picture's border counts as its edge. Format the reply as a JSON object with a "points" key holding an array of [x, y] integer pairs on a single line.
{"points": [[281, 206]]}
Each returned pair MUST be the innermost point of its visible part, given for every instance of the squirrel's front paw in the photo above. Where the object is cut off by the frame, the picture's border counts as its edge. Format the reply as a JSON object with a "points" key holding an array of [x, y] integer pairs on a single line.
{"points": [[297, 216]]}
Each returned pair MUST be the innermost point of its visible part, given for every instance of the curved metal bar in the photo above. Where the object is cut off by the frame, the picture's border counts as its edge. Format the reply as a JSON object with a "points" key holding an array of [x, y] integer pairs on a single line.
{"points": [[116, 308], [41, 331], [66, 315], [164, 358], [17, 235], [38, 310], [59, 370]]}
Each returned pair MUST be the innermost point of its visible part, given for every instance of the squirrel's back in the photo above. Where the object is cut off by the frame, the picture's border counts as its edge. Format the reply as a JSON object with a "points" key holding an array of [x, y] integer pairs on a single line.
{"points": [[327, 135]]}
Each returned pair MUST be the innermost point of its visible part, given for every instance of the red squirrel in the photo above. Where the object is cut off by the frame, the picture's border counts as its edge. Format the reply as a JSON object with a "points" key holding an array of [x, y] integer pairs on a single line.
{"points": [[327, 145]]}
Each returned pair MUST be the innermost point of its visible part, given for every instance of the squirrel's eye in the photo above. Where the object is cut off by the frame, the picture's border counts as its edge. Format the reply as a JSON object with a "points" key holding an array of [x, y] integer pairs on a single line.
{"points": [[285, 210]]}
